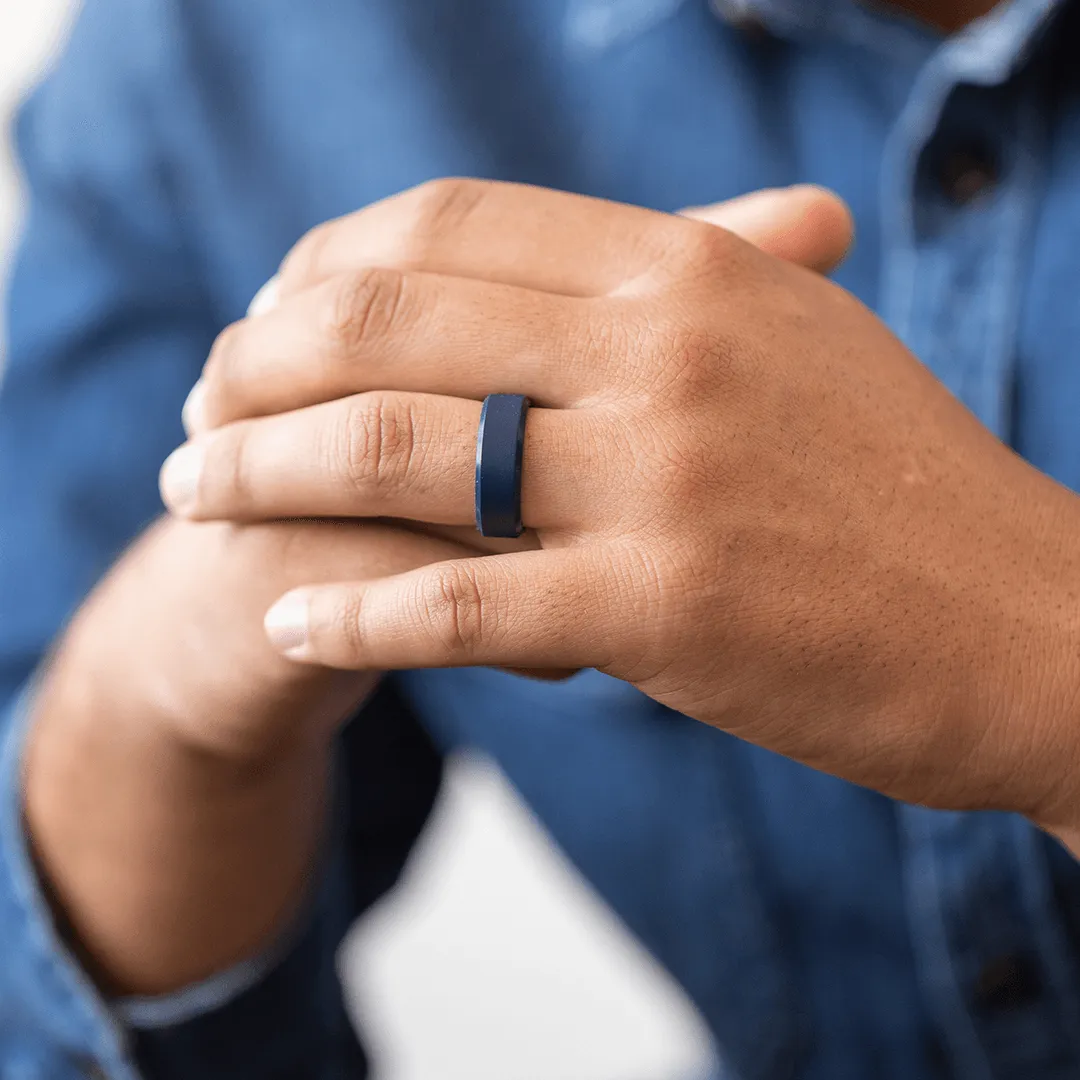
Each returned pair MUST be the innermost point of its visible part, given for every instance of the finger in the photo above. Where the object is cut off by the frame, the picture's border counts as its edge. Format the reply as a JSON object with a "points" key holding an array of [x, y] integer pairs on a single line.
{"points": [[376, 328], [409, 544], [298, 552], [511, 233], [379, 455], [808, 225], [532, 237], [353, 331], [532, 609], [306, 551], [470, 539]]}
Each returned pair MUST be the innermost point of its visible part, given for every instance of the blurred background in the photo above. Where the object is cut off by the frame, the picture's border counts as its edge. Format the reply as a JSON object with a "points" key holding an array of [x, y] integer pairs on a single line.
{"points": [[493, 961]]}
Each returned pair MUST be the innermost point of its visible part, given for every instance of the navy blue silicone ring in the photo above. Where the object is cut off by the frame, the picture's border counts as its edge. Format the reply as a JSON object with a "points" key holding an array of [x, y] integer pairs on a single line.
{"points": [[500, 444]]}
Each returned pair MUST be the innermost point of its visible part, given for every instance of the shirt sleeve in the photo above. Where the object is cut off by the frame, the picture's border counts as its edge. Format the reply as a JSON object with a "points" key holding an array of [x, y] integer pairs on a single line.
{"points": [[109, 323]]}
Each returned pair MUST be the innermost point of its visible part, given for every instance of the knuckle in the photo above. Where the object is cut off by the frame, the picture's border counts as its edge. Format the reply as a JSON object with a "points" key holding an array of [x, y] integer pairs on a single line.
{"points": [[229, 479], [704, 250], [439, 206], [688, 362], [365, 308], [711, 248], [301, 265], [380, 443], [701, 359], [347, 624], [455, 610]]}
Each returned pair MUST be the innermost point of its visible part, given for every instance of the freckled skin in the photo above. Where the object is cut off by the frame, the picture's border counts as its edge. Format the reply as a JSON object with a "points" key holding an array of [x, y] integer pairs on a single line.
{"points": [[753, 502]]}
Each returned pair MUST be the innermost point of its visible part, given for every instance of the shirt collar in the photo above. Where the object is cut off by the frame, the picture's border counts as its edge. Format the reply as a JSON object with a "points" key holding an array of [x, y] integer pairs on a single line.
{"points": [[990, 48]]}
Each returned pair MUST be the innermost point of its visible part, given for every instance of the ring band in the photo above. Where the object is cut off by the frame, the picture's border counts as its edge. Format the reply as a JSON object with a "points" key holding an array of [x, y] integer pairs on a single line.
{"points": [[500, 445]]}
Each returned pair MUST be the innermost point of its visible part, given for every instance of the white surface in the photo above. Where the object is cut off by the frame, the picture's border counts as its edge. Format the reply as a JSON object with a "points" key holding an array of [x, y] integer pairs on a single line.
{"points": [[28, 32], [493, 962]]}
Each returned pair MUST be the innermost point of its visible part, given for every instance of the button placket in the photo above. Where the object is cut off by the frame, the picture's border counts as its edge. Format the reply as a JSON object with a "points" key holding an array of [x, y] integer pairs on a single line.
{"points": [[973, 195], [968, 172], [1012, 981]]}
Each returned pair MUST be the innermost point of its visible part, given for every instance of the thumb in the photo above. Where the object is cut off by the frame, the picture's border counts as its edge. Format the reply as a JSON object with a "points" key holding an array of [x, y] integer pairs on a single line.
{"points": [[804, 224]]}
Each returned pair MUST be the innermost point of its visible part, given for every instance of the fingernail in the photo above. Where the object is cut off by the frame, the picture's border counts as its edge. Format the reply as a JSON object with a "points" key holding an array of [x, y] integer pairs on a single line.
{"points": [[180, 478], [266, 299], [193, 414], [286, 625]]}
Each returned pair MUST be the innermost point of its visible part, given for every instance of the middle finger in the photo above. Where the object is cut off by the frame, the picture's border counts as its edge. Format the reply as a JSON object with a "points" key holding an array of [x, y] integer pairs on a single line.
{"points": [[378, 328]]}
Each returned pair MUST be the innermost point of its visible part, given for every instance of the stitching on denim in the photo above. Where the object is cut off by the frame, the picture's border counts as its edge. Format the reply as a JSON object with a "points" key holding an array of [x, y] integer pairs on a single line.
{"points": [[961, 59], [53, 962], [992, 38], [862, 28], [1041, 906], [990, 50], [922, 887], [192, 1002], [914, 128], [1002, 297]]}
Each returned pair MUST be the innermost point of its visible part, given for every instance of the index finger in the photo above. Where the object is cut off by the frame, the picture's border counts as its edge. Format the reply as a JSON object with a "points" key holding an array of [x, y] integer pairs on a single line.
{"points": [[513, 234]]}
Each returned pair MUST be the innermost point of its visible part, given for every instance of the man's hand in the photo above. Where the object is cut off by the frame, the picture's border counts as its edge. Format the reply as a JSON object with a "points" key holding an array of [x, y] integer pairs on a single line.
{"points": [[754, 503], [176, 768]]}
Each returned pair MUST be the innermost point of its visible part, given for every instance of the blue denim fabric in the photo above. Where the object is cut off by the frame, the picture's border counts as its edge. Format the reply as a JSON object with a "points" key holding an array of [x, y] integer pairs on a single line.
{"points": [[182, 146]]}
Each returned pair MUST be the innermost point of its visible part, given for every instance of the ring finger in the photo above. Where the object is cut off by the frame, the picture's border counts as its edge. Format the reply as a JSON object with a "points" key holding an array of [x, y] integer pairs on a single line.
{"points": [[379, 454]]}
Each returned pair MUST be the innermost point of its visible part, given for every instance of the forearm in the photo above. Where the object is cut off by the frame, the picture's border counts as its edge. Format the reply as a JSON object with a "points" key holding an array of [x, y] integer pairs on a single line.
{"points": [[167, 864], [176, 771]]}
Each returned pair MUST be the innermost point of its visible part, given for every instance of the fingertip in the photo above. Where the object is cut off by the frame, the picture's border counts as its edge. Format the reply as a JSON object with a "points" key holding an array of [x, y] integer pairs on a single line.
{"points": [[806, 223], [827, 214], [266, 299], [288, 625], [179, 479], [193, 414]]}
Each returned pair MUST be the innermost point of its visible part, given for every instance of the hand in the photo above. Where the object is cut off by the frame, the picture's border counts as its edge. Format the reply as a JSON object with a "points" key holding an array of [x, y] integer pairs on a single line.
{"points": [[176, 768], [173, 636], [754, 503], [253, 369]]}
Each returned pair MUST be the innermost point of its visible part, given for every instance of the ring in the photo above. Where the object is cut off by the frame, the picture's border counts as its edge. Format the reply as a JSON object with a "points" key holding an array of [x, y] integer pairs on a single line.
{"points": [[500, 444]]}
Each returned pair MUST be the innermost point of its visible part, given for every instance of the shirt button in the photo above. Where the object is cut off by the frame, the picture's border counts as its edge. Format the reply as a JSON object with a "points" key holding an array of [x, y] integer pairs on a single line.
{"points": [[1009, 982], [967, 172]]}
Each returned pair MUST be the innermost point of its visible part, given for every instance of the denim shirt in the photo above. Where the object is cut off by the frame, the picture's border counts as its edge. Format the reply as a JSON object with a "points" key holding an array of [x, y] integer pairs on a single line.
{"points": [[179, 149]]}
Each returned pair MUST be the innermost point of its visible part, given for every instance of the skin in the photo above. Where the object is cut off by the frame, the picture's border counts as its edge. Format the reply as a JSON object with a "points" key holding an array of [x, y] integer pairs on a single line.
{"points": [[176, 766], [947, 17], [752, 502]]}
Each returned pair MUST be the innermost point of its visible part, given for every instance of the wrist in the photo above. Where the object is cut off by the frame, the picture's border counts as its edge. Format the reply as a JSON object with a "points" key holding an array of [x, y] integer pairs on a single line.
{"points": [[133, 828], [1036, 681], [173, 637]]}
